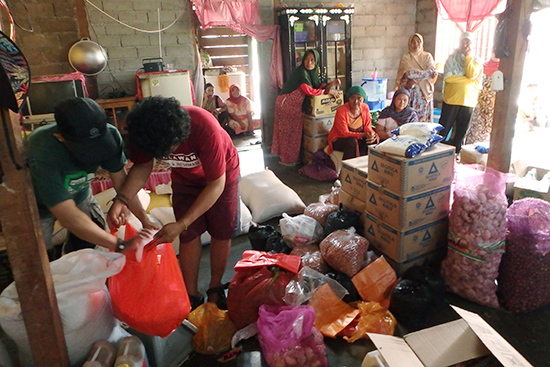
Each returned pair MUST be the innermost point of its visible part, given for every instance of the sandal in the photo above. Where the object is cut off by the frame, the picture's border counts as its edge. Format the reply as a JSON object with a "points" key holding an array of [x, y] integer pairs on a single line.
{"points": [[220, 291], [196, 301]]}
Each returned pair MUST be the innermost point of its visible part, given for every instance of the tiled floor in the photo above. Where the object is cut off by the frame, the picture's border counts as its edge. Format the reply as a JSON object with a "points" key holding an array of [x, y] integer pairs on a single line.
{"points": [[528, 333]]}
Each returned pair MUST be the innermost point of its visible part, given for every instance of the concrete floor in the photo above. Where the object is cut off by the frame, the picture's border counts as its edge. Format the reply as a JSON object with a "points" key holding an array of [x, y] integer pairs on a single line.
{"points": [[528, 333]]}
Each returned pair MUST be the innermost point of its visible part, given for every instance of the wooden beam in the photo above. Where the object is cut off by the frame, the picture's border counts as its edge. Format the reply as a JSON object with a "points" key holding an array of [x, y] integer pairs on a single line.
{"points": [[506, 108], [27, 251]]}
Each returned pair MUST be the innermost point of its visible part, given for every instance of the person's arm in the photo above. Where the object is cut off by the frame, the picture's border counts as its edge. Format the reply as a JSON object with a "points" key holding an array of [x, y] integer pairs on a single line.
{"points": [[472, 70], [381, 131], [134, 205], [310, 91], [206, 199], [135, 180], [77, 222]]}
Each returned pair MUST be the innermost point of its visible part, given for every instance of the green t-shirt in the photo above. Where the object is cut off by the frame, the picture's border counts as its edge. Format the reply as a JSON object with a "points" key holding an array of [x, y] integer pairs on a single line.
{"points": [[56, 174]]}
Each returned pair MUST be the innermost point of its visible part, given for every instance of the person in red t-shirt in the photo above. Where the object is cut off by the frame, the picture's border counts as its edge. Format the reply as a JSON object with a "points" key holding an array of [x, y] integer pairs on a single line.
{"points": [[205, 174]]}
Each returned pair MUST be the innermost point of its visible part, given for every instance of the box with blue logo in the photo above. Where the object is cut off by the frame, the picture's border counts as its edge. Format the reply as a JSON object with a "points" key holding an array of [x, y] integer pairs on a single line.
{"points": [[406, 212], [314, 126], [404, 176], [402, 246]]}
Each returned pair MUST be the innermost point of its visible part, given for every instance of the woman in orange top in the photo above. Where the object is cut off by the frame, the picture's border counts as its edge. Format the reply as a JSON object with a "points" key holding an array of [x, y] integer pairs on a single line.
{"points": [[352, 130]]}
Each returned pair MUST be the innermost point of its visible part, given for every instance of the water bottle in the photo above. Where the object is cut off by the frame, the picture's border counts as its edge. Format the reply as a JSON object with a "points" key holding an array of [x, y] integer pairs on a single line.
{"points": [[131, 353], [102, 354]]}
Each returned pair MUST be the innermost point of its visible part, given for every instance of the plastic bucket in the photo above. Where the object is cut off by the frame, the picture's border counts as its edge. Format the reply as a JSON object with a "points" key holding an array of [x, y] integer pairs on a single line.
{"points": [[375, 88]]}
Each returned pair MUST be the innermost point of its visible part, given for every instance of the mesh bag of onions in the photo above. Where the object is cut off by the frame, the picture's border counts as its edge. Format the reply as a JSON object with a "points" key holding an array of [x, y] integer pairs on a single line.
{"points": [[477, 230], [525, 267]]}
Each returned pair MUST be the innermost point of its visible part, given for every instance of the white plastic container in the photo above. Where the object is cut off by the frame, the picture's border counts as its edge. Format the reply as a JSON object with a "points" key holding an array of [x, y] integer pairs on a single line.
{"points": [[374, 359], [131, 352], [375, 89]]}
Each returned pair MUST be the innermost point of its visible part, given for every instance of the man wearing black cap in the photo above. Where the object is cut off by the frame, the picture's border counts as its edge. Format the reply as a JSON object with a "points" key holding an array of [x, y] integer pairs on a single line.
{"points": [[63, 159]]}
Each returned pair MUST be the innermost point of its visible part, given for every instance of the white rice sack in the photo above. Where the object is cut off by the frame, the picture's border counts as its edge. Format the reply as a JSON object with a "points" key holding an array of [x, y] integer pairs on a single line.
{"points": [[418, 129]]}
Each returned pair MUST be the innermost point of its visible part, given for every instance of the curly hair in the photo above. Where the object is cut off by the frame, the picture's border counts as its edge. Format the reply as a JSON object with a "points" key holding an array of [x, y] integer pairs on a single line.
{"points": [[157, 125]]}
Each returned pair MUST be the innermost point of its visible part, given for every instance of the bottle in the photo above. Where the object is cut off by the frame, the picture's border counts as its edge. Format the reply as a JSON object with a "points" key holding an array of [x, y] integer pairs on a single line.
{"points": [[102, 354], [131, 353]]}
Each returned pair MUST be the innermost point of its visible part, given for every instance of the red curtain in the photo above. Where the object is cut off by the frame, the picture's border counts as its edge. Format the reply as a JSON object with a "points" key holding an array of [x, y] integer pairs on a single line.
{"points": [[243, 16], [467, 14]]}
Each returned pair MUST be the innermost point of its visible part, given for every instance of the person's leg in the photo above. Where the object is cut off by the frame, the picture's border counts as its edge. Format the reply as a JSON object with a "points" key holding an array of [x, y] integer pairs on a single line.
{"points": [[219, 254], [462, 123], [348, 146], [190, 258], [447, 120]]}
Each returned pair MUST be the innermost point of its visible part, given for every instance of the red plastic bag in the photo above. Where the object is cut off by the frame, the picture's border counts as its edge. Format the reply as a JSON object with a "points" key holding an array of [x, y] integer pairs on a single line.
{"points": [[260, 278], [150, 296]]}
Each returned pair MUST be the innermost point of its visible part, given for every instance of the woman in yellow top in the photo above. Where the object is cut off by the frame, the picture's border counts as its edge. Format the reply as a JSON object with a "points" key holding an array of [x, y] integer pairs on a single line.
{"points": [[461, 84]]}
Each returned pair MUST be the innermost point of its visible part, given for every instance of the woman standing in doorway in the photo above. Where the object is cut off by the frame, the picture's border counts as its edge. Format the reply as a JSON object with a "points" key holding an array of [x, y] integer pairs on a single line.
{"points": [[417, 74], [292, 102]]}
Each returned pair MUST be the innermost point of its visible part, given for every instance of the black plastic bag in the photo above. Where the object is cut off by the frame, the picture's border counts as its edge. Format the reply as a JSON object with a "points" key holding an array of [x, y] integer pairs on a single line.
{"points": [[410, 303], [341, 219], [431, 278], [277, 244], [345, 281], [258, 235]]}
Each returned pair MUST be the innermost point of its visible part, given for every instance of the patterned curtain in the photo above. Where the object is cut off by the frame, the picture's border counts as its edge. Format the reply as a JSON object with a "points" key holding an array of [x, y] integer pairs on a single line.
{"points": [[467, 14]]}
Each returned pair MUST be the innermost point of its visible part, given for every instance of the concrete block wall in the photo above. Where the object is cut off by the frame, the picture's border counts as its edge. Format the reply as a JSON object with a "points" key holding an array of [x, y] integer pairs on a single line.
{"points": [[126, 47], [54, 30]]}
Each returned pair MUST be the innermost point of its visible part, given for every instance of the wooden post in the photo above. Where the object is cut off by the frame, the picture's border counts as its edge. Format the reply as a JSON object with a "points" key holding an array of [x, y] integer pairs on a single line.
{"points": [[27, 251], [506, 109]]}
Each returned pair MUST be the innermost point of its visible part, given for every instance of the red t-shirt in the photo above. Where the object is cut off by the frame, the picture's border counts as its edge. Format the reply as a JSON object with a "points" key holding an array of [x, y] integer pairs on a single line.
{"points": [[204, 156]]}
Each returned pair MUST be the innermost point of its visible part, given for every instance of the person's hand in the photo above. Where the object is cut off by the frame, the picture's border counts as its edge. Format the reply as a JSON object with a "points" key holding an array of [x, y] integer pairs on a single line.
{"points": [[371, 137], [117, 215], [335, 93], [138, 242], [410, 83], [149, 224], [336, 82], [169, 232]]}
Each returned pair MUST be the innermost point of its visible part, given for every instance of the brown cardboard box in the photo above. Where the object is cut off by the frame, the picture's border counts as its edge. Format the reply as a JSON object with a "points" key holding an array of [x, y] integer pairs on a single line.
{"points": [[318, 125], [448, 344], [406, 212], [314, 143], [434, 258], [352, 204], [401, 246], [404, 176], [324, 105], [353, 176]]}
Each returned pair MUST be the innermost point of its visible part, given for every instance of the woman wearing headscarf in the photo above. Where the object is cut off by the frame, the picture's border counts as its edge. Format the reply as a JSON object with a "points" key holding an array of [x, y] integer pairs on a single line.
{"points": [[352, 129], [240, 111], [292, 102], [396, 114], [417, 74]]}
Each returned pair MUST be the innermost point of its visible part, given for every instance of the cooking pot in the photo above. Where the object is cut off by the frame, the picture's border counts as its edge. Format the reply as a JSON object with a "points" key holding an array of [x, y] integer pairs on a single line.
{"points": [[88, 57]]}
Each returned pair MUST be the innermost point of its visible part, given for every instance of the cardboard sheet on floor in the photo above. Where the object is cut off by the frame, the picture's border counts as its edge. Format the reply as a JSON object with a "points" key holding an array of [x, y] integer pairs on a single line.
{"points": [[446, 344]]}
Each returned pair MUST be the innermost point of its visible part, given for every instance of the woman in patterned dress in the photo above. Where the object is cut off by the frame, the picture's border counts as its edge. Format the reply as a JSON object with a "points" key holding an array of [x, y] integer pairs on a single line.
{"points": [[292, 102], [417, 74]]}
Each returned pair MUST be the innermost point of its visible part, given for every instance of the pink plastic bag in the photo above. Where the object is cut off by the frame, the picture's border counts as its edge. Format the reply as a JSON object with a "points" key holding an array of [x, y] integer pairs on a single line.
{"points": [[288, 337]]}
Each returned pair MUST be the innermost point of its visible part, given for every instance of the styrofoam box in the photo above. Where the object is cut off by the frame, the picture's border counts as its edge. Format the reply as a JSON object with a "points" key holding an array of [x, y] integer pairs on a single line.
{"points": [[405, 245], [353, 176], [324, 105], [404, 176], [406, 212], [318, 125]]}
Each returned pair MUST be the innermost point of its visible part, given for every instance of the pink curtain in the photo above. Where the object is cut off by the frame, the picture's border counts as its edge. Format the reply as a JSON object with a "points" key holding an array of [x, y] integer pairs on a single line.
{"points": [[467, 14], [243, 16]]}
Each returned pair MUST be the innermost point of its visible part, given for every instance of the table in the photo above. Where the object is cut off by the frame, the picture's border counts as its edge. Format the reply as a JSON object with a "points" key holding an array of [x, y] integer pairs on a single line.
{"points": [[111, 105]]}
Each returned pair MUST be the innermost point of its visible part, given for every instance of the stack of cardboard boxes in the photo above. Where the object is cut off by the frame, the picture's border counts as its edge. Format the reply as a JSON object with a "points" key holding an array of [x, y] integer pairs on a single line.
{"points": [[353, 194], [407, 202], [317, 124]]}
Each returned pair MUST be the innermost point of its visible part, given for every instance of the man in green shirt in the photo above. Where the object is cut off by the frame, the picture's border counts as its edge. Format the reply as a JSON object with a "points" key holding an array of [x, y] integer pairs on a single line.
{"points": [[63, 159]]}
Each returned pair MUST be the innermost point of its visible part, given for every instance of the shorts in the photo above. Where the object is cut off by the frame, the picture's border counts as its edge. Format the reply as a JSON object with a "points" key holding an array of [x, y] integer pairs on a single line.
{"points": [[220, 220]]}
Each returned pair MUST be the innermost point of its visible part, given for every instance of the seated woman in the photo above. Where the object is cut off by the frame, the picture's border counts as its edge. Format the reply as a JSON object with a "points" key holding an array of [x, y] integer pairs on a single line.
{"points": [[397, 114], [214, 104], [352, 130], [240, 111]]}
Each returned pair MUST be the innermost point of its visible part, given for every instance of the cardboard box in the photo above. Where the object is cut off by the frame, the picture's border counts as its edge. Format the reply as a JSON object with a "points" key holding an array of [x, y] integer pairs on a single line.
{"points": [[307, 157], [353, 176], [324, 105], [469, 155], [534, 188], [352, 204], [318, 125], [404, 176], [314, 143], [434, 258], [405, 245], [406, 212], [443, 345]]}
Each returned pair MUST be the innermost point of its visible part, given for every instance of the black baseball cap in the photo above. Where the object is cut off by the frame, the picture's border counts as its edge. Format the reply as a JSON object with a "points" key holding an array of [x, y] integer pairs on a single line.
{"points": [[83, 125]]}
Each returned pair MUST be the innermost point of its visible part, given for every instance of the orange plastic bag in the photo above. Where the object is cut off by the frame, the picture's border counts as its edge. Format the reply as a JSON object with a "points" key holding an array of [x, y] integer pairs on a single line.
{"points": [[215, 329], [150, 296], [373, 318], [375, 282]]}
